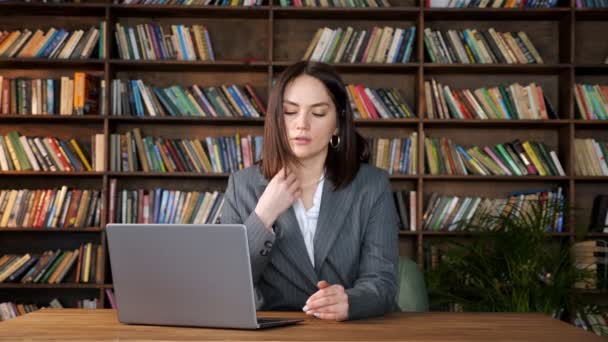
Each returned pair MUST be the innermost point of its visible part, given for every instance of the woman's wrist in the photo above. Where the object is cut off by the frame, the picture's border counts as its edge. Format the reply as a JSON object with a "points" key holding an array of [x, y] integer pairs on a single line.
{"points": [[266, 218]]}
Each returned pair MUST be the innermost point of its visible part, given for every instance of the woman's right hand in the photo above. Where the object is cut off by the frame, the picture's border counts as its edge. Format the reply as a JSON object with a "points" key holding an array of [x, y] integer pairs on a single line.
{"points": [[282, 190]]}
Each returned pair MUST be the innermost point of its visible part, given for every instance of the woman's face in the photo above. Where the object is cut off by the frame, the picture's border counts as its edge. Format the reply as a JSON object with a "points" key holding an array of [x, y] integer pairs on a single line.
{"points": [[310, 117]]}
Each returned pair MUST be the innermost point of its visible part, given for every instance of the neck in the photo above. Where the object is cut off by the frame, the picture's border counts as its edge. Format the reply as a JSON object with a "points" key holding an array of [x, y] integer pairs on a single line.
{"points": [[310, 170]]}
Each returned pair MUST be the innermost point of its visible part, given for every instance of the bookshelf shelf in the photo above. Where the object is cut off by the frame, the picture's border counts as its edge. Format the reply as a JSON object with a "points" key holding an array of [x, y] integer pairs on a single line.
{"points": [[169, 175], [49, 174], [49, 286], [495, 13], [496, 123], [538, 69], [591, 178], [50, 118], [52, 230], [591, 13], [497, 178], [464, 234], [245, 12], [582, 124], [392, 13], [274, 37], [598, 235], [387, 122], [360, 67], [81, 64], [45, 9], [175, 65], [591, 69], [197, 120]]}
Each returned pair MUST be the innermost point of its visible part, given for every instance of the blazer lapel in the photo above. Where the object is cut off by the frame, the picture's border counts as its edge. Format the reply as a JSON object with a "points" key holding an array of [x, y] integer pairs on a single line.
{"points": [[291, 243], [335, 205]]}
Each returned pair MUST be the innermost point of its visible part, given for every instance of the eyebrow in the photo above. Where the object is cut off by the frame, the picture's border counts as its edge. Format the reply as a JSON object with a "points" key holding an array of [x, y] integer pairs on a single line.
{"points": [[314, 105]]}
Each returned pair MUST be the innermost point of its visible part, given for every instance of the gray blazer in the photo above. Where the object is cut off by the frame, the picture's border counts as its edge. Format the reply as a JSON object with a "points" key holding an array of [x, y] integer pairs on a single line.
{"points": [[355, 244]]}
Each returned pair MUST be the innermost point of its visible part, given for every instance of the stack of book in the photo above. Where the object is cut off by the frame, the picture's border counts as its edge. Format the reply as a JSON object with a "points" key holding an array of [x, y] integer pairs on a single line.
{"points": [[164, 206], [50, 208], [21, 153], [510, 102], [83, 264], [335, 3], [591, 155], [450, 213], [380, 103], [83, 94], [444, 157], [592, 257], [594, 320], [471, 46], [54, 43], [9, 310], [135, 98], [591, 101], [395, 155], [491, 3], [405, 202], [149, 42], [225, 3], [591, 3], [348, 45], [133, 152]]}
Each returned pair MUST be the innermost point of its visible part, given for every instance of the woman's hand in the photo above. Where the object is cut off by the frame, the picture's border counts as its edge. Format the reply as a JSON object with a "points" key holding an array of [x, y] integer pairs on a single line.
{"points": [[330, 302], [282, 190]]}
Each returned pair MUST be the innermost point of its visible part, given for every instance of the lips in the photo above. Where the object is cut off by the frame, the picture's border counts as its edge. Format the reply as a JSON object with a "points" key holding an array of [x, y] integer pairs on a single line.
{"points": [[302, 140]]}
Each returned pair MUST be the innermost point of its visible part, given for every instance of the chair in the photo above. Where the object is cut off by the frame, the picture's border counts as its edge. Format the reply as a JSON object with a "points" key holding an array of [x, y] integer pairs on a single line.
{"points": [[412, 294]]}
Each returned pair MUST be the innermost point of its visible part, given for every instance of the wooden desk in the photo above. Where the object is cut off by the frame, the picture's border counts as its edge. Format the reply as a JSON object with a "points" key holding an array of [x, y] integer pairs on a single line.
{"points": [[103, 325]]}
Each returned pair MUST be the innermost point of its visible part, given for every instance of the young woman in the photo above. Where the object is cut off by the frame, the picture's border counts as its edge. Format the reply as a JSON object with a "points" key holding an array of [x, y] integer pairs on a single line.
{"points": [[321, 223]]}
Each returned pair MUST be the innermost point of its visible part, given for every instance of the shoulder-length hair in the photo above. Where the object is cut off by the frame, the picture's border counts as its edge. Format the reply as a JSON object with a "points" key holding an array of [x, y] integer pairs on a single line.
{"points": [[342, 163]]}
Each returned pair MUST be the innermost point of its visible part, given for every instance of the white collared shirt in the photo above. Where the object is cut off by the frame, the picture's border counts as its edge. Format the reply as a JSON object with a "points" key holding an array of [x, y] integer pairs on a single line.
{"points": [[307, 219]]}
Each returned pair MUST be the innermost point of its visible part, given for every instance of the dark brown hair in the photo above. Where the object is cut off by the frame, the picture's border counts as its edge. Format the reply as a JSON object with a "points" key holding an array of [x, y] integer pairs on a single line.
{"points": [[342, 163]]}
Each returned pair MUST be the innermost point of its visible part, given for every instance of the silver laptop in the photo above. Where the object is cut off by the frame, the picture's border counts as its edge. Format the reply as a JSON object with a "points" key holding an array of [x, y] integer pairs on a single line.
{"points": [[184, 275]]}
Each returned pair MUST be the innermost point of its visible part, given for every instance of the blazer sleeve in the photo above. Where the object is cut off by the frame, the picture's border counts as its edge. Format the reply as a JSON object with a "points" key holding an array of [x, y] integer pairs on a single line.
{"points": [[259, 238], [374, 291]]}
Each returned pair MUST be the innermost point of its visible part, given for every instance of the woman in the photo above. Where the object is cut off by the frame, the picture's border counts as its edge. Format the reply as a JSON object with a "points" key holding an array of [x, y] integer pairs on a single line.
{"points": [[321, 224]]}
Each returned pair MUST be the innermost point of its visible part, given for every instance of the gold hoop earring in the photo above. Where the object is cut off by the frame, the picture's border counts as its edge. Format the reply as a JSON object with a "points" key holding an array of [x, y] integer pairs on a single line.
{"points": [[331, 141]]}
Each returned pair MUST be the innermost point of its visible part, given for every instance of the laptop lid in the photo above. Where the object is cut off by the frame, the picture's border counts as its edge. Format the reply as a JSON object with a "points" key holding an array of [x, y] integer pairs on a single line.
{"points": [[182, 274]]}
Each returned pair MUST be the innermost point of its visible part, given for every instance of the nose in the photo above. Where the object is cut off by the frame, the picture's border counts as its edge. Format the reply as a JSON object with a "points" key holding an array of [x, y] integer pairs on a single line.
{"points": [[303, 120]]}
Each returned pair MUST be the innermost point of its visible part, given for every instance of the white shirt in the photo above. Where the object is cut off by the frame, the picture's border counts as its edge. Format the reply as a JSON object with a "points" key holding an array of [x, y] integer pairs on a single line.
{"points": [[307, 219]]}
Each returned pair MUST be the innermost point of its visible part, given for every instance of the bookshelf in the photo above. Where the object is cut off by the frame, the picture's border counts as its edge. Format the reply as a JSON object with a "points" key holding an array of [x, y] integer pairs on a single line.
{"points": [[268, 39]]}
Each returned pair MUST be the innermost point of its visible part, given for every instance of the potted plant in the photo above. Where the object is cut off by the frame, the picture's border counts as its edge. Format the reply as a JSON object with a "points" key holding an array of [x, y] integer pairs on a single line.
{"points": [[510, 264]]}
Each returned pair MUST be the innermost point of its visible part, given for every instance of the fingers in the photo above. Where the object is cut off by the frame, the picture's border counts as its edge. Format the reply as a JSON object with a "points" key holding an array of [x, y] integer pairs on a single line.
{"points": [[327, 291], [290, 179], [326, 309], [294, 187], [287, 181], [323, 284], [322, 302], [330, 316]]}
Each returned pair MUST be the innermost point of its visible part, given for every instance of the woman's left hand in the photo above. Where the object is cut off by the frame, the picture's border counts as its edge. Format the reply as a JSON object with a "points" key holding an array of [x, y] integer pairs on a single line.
{"points": [[330, 302]]}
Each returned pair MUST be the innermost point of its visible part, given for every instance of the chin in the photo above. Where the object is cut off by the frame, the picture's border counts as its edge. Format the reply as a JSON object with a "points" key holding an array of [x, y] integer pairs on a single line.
{"points": [[304, 152]]}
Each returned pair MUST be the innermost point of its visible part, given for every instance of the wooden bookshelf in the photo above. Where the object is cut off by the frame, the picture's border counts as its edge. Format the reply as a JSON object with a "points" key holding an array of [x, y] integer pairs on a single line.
{"points": [[254, 44]]}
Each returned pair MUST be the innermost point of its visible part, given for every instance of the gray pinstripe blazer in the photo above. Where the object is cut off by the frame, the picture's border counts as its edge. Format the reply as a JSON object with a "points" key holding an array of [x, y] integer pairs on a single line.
{"points": [[355, 244]]}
